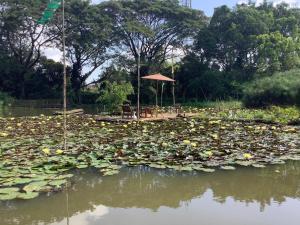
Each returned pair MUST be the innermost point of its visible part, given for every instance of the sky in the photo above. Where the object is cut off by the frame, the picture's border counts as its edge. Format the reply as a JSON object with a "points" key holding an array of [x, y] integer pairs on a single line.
{"points": [[205, 5]]}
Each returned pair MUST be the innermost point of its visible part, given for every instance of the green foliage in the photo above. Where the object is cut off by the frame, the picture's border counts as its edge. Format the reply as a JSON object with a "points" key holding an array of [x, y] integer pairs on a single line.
{"points": [[277, 52], [220, 105], [195, 80], [280, 89], [113, 95], [4, 99]]}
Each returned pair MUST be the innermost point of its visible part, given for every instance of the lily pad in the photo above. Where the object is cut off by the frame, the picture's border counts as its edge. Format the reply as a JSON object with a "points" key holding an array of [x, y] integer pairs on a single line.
{"points": [[35, 186], [110, 172], [28, 195], [227, 167], [7, 194], [57, 183], [258, 165], [207, 170]]}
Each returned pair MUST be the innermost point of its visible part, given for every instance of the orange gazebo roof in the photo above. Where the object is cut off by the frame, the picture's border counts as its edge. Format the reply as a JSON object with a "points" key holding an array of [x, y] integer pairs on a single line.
{"points": [[159, 77]]}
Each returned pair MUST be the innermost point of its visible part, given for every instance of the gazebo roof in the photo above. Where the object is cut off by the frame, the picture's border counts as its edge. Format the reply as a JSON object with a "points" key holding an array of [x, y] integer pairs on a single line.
{"points": [[159, 77]]}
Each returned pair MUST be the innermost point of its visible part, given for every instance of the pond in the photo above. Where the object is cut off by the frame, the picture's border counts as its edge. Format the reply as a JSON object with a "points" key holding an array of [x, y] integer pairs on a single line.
{"points": [[143, 195], [33, 111]]}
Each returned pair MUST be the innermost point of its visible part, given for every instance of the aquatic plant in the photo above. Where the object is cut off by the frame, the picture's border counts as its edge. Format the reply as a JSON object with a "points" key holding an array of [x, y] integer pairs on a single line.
{"points": [[31, 159]]}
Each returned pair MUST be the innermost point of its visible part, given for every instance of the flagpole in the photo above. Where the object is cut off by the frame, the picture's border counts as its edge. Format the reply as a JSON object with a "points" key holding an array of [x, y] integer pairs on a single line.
{"points": [[65, 76], [139, 80]]}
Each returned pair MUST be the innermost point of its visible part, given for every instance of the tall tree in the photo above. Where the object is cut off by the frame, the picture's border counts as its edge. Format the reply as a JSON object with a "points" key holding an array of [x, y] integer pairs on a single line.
{"points": [[229, 41], [89, 35], [277, 52], [24, 38], [152, 28]]}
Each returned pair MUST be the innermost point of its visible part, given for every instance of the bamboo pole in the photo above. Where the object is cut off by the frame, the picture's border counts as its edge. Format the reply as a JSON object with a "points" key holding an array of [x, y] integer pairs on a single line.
{"points": [[139, 81], [65, 76], [173, 77]]}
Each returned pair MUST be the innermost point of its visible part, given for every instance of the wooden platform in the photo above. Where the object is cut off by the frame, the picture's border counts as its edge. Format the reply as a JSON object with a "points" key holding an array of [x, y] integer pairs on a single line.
{"points": [[70, 112], [160, 117]]}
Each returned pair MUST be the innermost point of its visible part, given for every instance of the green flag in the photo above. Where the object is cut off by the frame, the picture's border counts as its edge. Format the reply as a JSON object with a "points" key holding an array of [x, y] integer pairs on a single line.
{"points": [[49, 12]]}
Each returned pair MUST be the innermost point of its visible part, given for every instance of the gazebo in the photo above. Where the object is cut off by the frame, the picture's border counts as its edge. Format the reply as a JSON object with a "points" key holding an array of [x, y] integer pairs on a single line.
{"points": [[158, 77]]}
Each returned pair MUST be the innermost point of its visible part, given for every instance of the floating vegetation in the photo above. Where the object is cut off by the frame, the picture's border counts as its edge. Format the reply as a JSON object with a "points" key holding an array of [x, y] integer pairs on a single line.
{"points": [[31, 159]]}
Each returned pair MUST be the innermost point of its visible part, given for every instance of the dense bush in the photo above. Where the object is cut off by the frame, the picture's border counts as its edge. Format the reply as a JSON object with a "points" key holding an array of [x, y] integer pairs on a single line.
{"points": [[4, 99], [113, 95], [280, 89]]}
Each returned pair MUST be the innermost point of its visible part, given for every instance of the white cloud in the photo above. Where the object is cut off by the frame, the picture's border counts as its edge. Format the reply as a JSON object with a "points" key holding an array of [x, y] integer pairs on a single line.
{"points": [[291, 3], [53, 53]]}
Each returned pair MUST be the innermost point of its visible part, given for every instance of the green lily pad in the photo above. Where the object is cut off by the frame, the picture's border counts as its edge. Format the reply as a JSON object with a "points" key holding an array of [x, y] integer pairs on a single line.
{"points": [[7, 194], [207, 170], [244, 163], [27, 195], [82, 166], [62, 177], [186, 168], [157, 166], [57, 183], [8, 190], [258, 165], [110, 172], [35, 186], [227, 167]]}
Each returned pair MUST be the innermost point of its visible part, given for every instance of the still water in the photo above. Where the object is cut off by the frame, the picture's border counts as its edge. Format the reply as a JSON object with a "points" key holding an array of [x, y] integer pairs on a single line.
{"points": [[31, 111], [144, 196]]}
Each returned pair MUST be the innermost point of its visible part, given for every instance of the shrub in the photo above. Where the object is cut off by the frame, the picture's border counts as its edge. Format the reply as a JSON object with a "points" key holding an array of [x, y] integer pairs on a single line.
{"points": [[5, 99], [281, 89], [113, 95]]}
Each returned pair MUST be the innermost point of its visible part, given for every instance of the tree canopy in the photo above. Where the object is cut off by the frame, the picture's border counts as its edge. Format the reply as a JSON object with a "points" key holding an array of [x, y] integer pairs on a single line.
{"points": [[219, 55]]}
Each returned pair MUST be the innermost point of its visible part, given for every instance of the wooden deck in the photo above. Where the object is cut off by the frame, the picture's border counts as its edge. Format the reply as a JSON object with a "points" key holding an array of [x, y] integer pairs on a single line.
{"points": [[160, 117]]}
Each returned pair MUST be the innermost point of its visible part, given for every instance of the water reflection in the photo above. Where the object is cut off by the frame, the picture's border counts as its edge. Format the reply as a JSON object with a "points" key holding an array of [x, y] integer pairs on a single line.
{"points": [[33, 111], [93, 197]]}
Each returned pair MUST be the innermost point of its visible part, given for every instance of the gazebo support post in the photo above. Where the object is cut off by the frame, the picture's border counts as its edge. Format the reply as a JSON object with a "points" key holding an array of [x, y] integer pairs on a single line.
{"points": [[156, 94], [161, 94]]}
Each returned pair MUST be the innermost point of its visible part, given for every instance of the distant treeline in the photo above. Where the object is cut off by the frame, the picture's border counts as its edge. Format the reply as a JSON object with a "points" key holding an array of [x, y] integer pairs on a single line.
{"points": [[235, 54]]}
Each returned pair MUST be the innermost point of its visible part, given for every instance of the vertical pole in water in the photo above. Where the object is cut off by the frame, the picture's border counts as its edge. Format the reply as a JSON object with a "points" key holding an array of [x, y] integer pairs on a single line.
{"points": [[65, 96], [139, 80], [173, 77], [65, 76]]}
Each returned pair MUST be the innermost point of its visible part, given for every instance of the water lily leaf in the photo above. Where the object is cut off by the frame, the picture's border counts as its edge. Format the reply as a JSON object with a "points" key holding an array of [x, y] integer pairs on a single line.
{"points": [[82, 166], [8, 190], [157, 166], [110, 172], [18, 181], [64, 176], [227, 167], [35, 186], [244, 163], [8, 196], [207, 170], [28, 195], [277, 162], [294, 157], [57, 183], [258, 165], [186, 168]]}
